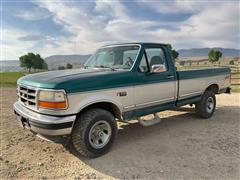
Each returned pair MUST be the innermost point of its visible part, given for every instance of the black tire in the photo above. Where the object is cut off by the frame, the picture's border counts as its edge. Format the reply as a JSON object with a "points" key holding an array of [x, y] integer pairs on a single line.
{"points": [[203, 107], [81, 140]]}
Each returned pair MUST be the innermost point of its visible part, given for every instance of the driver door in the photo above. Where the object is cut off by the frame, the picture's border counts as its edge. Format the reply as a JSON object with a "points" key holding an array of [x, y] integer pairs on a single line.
{"points": [[154, 88]]}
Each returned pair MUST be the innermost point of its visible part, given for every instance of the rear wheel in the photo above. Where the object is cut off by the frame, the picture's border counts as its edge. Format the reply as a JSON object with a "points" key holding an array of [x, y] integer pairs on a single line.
{"points": [[94, 133], [206, 107]]}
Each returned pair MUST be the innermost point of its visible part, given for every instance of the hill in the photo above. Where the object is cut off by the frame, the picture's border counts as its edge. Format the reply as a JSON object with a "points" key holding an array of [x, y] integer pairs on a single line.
{"points": [[195, 54], [61, 60], [204, 52]]}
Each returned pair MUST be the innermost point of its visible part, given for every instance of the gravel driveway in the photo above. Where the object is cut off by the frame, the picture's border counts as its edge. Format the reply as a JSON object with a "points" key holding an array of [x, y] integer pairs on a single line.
{"points": [[182, 146]]}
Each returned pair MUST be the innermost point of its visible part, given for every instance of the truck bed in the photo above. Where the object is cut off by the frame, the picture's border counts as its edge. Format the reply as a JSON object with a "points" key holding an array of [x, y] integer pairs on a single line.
{"points": [[192, 83]]}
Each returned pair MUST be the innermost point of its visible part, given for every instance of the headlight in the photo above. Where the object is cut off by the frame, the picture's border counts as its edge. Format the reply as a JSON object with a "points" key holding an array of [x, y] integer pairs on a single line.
{"points": [[52, 99]]}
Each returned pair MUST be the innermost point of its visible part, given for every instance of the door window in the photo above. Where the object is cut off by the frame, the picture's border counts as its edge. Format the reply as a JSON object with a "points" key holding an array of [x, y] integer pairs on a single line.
{"points": [[155, 56]]}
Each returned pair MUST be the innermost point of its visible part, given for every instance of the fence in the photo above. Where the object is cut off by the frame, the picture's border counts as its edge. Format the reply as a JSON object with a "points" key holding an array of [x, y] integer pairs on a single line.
{"points": [[235, 79]]}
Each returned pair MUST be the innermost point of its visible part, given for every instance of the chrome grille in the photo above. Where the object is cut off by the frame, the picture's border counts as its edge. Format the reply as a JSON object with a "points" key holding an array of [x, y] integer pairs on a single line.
{"points": [[27, 96]]}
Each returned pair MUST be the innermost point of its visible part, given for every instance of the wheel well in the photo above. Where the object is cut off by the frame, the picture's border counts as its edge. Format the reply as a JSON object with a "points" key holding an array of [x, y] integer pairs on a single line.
{"points": [[214, 88], [107, 106]]}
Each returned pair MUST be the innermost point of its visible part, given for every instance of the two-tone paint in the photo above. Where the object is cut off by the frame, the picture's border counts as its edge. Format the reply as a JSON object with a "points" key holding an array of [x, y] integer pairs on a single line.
{"points": [[131, 93]]}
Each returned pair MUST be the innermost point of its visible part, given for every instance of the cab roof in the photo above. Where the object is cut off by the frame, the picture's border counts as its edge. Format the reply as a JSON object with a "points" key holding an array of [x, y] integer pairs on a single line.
{"points": [[137, 43]]}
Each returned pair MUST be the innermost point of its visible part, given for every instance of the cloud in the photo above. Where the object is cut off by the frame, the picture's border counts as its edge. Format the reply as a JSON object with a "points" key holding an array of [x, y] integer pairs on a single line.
{"points": [[31, 38], [216, 25], [33, 14], [12, 48], [112, 9], [87, 30], [178, 6], [37, 37], [210, 25], [17, 42]]}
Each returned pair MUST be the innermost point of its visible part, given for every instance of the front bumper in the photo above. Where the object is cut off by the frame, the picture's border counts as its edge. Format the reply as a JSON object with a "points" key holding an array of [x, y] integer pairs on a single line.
{"points": [[43, 124]]}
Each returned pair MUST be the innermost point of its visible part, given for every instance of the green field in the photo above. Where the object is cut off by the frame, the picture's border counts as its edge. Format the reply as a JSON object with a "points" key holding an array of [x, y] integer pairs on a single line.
{"points": [[9, 79]]}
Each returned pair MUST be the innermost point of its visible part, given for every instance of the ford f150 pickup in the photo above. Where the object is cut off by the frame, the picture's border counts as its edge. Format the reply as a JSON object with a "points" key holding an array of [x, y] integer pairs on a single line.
{"points": [[118, 82]]}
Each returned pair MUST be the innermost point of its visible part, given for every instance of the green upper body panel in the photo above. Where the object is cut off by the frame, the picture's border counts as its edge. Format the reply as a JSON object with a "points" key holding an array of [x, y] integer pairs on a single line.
{"points": [[198, 73], [82, 80]]}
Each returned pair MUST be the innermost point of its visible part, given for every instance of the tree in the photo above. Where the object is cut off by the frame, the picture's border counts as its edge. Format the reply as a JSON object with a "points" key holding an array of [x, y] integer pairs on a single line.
{"points": [[32, 61], [37, 62], [44, 66], [61, 67], [173, 51], [182, 63], [69, 66], [214, 55], [26, 61], [231, 62]]}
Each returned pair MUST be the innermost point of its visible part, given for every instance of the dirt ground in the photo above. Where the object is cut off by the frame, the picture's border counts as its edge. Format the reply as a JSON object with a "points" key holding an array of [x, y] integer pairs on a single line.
{"points": [[182, 146]]}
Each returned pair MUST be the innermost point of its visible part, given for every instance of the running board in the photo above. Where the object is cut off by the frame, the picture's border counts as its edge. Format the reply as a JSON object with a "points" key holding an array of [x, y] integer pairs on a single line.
{"points": [[151, 122]]}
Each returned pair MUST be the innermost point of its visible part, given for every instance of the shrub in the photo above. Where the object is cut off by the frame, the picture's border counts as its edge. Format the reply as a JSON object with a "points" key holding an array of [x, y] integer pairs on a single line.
{"points": [[231, 62]]}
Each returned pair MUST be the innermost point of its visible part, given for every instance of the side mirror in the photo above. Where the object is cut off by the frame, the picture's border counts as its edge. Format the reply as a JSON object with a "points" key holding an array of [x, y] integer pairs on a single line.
{"points": [[157, 68]]}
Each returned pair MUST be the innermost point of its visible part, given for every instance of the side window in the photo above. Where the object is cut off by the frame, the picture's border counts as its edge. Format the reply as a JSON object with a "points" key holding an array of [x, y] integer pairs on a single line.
{"points": [[156, 56], [143, 67]]}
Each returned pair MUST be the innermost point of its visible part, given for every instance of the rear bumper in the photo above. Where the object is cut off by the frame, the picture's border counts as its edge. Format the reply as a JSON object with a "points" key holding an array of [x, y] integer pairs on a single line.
{"points": [[43, 124]]}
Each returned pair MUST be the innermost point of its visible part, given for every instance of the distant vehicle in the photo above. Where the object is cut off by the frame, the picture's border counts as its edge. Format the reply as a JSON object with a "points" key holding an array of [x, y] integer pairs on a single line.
{"points": [[119, 82]]}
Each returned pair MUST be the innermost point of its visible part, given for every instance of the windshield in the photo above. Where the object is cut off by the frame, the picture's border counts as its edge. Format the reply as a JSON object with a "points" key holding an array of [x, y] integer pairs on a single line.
{"points": [[114, 57]]}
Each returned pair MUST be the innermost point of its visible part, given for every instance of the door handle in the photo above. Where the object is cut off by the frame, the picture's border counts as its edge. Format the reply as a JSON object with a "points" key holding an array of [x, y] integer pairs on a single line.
{"points": [[170, 77]]}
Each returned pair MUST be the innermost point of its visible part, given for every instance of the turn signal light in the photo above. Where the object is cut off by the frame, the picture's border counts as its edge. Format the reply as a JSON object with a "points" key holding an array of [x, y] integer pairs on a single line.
{"points": [[52, 105]]}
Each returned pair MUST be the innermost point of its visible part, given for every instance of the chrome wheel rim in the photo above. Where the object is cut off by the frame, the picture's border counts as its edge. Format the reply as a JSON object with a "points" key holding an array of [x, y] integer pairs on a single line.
{"points": [[210, 105], [100, 134]]}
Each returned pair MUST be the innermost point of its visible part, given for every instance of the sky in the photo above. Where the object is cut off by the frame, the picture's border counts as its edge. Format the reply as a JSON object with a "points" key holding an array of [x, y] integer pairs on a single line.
{"points": [[80, 27]]}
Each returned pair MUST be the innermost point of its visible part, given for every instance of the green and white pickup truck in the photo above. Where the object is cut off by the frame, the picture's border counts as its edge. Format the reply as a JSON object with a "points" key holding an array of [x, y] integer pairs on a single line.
{"points": [[119, 82]]}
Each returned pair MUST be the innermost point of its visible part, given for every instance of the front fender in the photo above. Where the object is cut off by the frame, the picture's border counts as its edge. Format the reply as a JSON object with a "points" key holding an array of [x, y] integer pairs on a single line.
{"points": [[81, 101]]}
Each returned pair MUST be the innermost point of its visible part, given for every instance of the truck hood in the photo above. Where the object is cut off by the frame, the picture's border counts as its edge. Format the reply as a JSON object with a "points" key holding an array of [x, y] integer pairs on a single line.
{"points": [[58, 76], [74, 80]]}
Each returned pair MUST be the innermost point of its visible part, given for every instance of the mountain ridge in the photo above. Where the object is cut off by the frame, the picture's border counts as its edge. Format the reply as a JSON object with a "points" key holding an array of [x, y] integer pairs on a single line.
{"points": [[204, 52], [76, 60]]}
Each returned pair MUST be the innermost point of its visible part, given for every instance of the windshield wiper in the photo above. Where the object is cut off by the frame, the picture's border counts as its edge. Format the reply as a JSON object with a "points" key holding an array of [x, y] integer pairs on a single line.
{"points": [[102, 66]]}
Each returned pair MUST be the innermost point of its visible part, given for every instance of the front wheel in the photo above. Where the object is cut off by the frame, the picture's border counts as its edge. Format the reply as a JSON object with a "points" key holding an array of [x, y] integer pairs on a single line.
{"points": [[94, 133], [206, 106]]}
